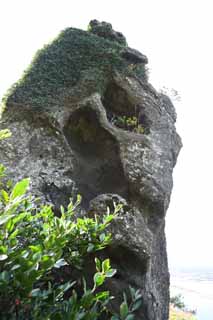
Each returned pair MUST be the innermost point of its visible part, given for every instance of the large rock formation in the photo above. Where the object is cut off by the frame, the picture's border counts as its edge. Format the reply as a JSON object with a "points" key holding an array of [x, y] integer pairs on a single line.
{"points": [[85, 120]]}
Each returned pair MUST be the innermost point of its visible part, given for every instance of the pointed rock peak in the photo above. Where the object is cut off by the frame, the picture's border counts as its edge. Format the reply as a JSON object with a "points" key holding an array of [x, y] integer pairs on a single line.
{"points": [[105, 30]]}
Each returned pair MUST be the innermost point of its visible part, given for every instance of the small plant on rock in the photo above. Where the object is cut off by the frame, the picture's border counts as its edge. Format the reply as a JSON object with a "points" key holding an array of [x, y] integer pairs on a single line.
{"points": [[177, 301], [128, 123]]}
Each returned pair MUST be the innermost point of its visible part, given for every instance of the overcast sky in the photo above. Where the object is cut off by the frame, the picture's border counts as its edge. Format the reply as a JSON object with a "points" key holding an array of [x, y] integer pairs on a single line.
{"points": [[176, 35]]}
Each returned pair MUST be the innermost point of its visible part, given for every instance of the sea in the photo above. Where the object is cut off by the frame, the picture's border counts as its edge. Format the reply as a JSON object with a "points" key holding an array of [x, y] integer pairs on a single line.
{"points": [[196, 288]]}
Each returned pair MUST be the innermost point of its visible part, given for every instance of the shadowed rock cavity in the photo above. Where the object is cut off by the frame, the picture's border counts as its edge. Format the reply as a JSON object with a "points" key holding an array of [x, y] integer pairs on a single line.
{"points": [[116, 100], [118, 103], [98, 168]]}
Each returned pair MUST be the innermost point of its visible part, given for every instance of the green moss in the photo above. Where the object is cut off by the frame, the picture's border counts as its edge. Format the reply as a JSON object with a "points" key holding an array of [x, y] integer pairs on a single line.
{"points": [[74, 55]]}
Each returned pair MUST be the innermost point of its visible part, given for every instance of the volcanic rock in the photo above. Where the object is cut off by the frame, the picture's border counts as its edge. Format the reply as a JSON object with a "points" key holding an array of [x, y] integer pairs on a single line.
{"points": [[84, 119]]}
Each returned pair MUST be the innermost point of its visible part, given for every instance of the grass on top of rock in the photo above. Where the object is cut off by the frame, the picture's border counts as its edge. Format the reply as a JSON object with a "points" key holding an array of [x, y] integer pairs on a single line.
{"points": [[73, 55]]}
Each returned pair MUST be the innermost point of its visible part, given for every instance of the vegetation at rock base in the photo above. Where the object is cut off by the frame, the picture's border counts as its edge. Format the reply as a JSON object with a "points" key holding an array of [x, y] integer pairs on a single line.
{"points": [[178, 310], [36, 248], [178, 302], [176, 314]]}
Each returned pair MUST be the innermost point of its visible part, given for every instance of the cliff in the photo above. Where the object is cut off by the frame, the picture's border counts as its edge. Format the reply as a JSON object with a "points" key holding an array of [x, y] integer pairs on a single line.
{"points": [[85, 119]]}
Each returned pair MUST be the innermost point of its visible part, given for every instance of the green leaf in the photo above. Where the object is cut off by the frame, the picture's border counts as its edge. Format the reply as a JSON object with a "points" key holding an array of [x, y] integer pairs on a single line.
{"points": [[110, 273], [136, 305], [9, 184], [60, 263], [108, 218], [20, 217], [5, 196], [9, 226], [13, 234], [118, 208], [90, 247], [35, 249], [3, 257], [24, 254], [20, 188], [138, 295], [3, 249], [103, 295], [81, 315], [2, 171], [66, 286], [79, 198], [35, 292], [36, 256], [98, 264], [99, 279], [5, 134], [130, 317], [87, 299], [132, 291], [102, 237], [62, 210], [124, 310], [5, 218], [106, 265], [4, 276], [15, 267]]}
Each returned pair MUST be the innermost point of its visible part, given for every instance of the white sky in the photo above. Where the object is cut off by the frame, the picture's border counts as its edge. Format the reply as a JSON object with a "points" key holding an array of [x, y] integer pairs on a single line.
{"points": [[176, 35]]}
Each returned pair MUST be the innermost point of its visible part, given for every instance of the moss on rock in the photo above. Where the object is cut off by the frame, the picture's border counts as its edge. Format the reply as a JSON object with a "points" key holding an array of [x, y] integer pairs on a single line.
{"points": [[74, 55]]}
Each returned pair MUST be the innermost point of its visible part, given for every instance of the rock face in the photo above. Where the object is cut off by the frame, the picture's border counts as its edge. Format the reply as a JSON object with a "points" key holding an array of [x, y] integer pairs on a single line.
{"points": [[84, 119]]}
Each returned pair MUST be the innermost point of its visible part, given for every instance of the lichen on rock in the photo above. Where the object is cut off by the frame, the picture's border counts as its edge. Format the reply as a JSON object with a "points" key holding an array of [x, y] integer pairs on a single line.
{"points": [[60, 114]]}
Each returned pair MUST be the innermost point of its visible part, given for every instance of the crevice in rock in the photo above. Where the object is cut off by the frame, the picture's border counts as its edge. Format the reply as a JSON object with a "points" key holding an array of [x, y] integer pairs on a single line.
{"points": [[57, 196], [122, 112], [117, 254], [116, 100], [98, 168]]}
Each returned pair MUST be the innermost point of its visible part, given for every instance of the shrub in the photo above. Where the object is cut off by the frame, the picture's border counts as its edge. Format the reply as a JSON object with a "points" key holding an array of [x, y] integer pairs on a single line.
{"points": [[177, 301]]}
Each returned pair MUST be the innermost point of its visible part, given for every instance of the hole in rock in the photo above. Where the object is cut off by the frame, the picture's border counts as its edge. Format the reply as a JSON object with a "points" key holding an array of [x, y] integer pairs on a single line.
{"points": [[120, 253], [122, 112], [117, 101], [98, 167]]}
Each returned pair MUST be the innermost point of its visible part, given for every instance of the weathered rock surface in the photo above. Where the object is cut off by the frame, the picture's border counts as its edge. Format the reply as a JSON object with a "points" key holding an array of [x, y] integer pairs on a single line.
{"points": [[63, 117]]}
